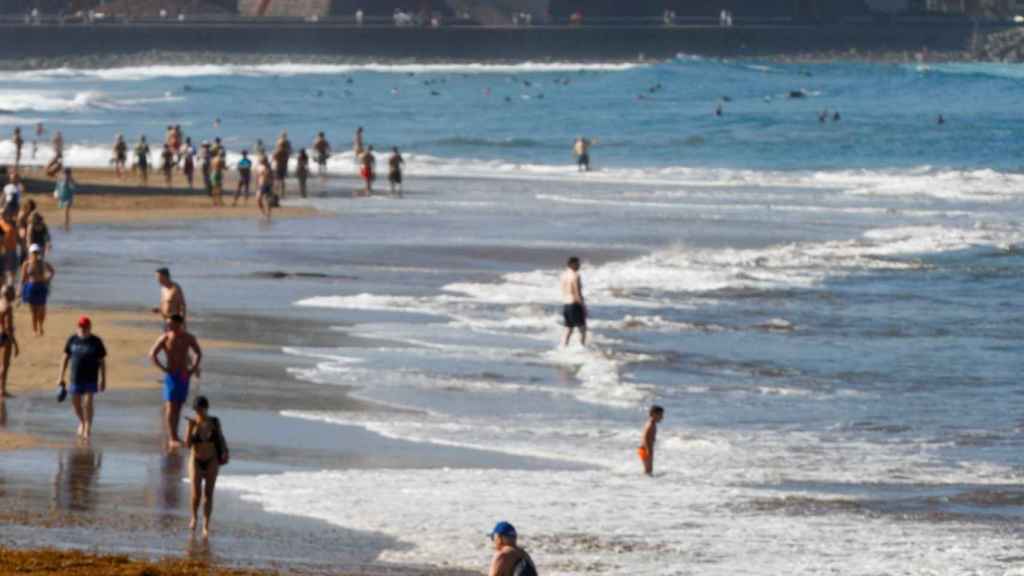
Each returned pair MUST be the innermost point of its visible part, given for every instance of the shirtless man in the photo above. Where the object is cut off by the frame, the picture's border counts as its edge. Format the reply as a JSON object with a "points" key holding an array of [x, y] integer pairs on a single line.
{"points": [[581, 149], [395, 164], [172, 297], [368, 165], [650, 438], [509, 559], [282, 154], [120, 155], [574, 309], [8, 343], [322, 148], [182, 356]]}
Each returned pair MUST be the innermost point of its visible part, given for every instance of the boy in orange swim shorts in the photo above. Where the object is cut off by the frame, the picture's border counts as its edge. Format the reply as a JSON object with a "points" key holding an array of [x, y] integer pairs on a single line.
{"points": [[646, 450]]}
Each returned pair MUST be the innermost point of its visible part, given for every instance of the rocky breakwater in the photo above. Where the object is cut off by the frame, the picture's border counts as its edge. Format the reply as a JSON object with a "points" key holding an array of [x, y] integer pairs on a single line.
{"points": [[1004, 46]]}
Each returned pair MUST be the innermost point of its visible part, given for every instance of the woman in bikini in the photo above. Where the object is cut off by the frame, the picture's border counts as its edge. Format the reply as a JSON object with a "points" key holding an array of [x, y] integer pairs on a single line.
{"points": [[209, 452], [7, 341]]}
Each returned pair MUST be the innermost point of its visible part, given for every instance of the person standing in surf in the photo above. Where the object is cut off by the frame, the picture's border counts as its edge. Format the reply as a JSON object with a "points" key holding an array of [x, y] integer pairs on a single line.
{"points": [[322, 148], [302, 170], [574, 309], [357, 145], [395, 164], [650, 438], [581, 150], [142, 160], [367, 169], [120, 155]]}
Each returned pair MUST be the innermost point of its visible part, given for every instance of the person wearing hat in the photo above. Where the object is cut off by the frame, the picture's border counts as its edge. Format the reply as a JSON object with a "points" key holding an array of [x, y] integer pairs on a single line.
{"points": [[509, 559], [36, 275], [86, 355]]}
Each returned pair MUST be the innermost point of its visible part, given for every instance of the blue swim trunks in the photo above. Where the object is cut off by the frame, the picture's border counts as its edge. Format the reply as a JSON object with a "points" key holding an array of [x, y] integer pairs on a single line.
{"points": [[35, 293], [79, 388], [176, 388]]}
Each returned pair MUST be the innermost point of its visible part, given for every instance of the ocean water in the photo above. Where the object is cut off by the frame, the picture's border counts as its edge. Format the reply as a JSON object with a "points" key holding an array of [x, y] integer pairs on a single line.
{"points": [[828, 311]]}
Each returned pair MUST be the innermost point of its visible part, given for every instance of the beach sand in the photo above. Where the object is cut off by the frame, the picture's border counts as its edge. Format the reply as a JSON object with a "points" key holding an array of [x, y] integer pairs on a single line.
{"points": [[128, 337], [104, 198]]}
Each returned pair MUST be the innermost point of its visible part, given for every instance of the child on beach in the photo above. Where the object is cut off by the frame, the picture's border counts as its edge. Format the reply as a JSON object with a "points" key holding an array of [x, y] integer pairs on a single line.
{"points": [[650, 437]]}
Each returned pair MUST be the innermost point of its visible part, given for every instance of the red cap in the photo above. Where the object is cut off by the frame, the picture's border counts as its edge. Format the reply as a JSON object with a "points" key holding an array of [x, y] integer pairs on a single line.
{"points": [[84, 322]]}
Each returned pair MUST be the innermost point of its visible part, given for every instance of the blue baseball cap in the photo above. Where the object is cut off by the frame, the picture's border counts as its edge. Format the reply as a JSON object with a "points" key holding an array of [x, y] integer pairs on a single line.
{"points": [[503, 529]]}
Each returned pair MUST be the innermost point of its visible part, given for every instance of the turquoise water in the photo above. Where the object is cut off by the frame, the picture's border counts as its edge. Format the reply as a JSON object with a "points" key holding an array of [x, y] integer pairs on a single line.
{"points": [[828, 311]]}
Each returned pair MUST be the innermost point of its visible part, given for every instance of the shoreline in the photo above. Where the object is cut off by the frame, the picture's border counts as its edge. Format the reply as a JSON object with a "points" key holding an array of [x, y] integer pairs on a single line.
{"points": [[147, 57], [103, 198]]}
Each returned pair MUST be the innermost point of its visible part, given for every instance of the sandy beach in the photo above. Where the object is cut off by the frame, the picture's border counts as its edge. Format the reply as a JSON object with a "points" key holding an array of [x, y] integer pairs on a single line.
{"points": [[105, 198]]}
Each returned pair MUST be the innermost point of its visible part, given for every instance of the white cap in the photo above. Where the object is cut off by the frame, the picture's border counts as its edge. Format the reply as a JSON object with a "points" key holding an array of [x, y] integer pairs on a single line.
{"points": [[34, 249]]}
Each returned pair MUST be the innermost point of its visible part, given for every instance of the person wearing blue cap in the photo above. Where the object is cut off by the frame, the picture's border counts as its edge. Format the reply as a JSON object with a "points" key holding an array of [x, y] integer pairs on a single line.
{"points": [[509, 559]]}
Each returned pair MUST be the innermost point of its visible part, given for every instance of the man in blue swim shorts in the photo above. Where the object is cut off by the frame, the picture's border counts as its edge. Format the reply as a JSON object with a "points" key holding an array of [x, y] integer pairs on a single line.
{"points": [[181, 358], [36, 275]]}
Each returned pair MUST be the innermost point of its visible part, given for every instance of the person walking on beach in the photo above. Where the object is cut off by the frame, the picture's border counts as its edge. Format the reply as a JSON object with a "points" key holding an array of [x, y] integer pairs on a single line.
{"points": [[57, 161], [142, 159], [86, 355], [282, 154], [12, 195], [217, 178], [23, 221], [244, 177], [167, 164], [36, 275], [322, 148], [509, 559], [18, 142], [581, 150], [37, 233], [172, 297], [188, 163], [302, 170], [205, 438], [8, 343], [367, 170], [265, 181], [650, 437], [574, 309], [182, 356], [120, 155], [9, 229], [65, 194], [395, 164]]}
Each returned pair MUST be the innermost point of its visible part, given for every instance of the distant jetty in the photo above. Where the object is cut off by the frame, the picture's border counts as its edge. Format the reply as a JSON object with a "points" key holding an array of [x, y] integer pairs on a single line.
{"points": [[52, 41]]}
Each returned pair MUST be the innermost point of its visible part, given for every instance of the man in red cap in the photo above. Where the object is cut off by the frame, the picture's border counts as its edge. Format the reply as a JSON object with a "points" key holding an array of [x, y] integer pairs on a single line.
{"points": [[86, 355]]}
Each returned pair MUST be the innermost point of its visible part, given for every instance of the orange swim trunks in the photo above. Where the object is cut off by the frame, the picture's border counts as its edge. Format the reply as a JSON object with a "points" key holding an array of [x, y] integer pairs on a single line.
{"points": [[642, 452]]}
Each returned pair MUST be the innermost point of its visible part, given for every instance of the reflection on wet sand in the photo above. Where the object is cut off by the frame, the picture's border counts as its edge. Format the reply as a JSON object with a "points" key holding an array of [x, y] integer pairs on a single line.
{"points": [[165, 493], [74, 485]]}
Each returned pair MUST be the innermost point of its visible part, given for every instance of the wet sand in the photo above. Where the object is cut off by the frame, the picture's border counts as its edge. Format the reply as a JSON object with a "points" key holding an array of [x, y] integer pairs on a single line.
{"points": [[122, 493], [102, 197]]}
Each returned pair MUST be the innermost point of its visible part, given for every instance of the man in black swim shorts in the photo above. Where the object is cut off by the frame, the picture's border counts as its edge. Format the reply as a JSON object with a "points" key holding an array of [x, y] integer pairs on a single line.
{"points": [[574, 309]]}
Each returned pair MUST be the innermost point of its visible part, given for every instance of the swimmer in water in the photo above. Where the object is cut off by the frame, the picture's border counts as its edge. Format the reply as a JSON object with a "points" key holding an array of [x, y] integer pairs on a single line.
{"points": [[322, 151], [395, 164], [357, 145]]}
